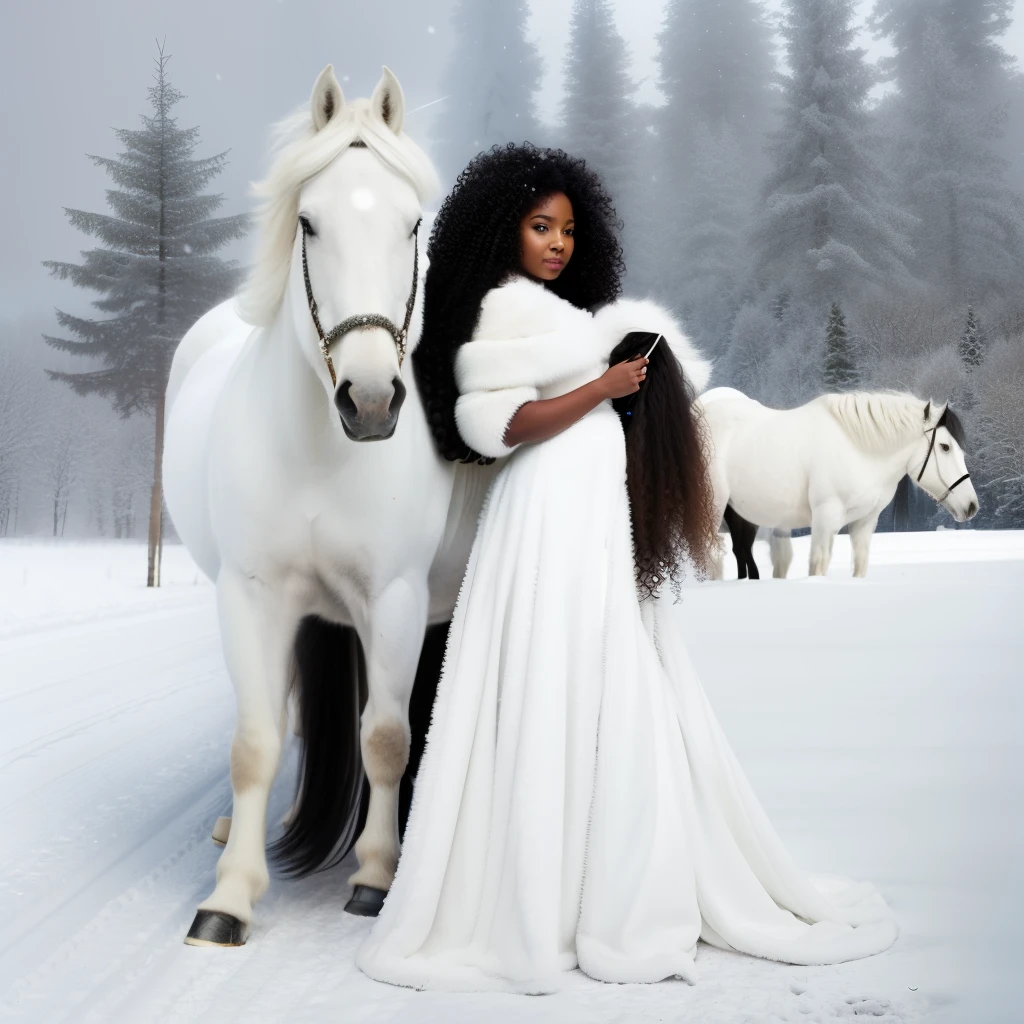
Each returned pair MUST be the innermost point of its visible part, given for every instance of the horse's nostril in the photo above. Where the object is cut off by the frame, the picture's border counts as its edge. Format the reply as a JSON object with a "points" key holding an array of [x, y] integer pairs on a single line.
{"points": [[971, 509], [343, 400], [399, 396]]}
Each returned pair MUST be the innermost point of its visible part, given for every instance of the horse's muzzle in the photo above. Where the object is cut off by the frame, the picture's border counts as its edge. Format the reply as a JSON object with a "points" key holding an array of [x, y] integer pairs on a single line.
{"points": [[369, 415]]}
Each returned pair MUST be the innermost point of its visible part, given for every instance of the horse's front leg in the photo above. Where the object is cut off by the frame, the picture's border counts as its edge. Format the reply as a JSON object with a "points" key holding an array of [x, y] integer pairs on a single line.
{"points": [[257, 633], [394, 637], [826, 522], [861, 531]]}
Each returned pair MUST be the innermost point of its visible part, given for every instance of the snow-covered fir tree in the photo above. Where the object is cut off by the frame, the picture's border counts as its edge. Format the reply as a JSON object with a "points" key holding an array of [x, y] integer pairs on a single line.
{"points": [[969, 240], [826, 229], [715, 210], [716, 69], [488, 86], [970, 341], [599, 121], [155, 270], [840, 368]]}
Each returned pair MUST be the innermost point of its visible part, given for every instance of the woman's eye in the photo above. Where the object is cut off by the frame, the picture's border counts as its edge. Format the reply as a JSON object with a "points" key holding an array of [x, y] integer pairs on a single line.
{"points": [[569, 231], [541, 227], [944, 446]]}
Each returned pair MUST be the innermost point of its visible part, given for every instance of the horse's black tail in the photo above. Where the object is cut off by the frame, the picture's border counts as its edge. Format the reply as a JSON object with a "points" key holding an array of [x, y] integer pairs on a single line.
{"points": [[333, 793]]}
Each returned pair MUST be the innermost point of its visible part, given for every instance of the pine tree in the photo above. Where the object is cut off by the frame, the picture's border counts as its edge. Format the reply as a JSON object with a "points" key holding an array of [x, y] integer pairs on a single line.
{"points": [[970, 342], [716, 70], [598, 119], [155, 271], [489, 84], [826, 229], [840, 370], [970, 236]]}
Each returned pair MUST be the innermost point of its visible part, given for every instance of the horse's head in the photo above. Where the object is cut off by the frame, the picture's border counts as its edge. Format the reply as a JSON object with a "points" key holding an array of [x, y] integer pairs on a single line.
{"points": [[338, 248], [939, 466]]}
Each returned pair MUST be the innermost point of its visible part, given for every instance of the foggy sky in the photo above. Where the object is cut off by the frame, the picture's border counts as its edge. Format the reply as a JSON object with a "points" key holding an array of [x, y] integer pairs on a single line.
{"points": [[72, 71]]}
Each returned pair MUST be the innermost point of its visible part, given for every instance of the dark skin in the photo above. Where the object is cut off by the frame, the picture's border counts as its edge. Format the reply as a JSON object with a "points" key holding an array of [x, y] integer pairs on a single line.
{"points": [[547, 239]]}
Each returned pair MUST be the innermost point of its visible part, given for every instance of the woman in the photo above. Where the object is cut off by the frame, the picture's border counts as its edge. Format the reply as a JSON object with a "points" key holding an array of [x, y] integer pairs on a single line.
{"points": [[577, 803]]}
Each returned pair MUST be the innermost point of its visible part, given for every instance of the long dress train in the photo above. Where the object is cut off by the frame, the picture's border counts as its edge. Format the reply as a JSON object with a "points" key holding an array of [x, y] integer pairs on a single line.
{"points": [[577, 802]]}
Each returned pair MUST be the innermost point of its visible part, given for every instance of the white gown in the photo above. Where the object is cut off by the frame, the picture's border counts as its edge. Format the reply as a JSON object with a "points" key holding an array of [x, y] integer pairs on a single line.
{"points": [[577, 803]]}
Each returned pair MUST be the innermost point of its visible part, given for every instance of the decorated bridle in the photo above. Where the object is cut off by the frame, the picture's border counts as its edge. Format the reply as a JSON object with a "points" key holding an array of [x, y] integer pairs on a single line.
{"points": [[401, 336], [931, 448]]}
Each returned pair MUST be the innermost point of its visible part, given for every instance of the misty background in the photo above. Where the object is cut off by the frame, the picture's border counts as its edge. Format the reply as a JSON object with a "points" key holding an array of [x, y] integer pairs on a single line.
{"points": [[830, 193]]}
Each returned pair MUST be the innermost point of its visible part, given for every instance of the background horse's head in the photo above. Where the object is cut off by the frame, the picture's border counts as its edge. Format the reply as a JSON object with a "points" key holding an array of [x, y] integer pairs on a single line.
{"points": [[940, 465], [349, 185]]}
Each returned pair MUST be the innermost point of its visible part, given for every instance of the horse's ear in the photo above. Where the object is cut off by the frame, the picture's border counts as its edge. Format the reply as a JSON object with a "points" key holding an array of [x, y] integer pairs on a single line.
{"points": [[327, 99], [388, 100], [927, 410]]}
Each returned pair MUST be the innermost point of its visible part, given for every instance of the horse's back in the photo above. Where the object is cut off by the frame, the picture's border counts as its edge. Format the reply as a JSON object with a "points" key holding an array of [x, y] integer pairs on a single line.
{"points": [[202, 363]]}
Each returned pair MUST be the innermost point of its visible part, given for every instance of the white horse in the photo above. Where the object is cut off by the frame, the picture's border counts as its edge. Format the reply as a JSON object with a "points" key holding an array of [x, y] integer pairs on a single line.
{"points": [[834, 461], [331, 557]]}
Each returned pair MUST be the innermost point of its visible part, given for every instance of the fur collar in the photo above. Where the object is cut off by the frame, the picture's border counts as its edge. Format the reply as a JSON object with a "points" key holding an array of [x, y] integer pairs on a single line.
{"points": [[527, 336]]}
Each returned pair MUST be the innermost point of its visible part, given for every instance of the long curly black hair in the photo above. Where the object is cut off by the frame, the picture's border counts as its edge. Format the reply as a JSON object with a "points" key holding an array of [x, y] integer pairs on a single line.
{"points": [[475, 243]]}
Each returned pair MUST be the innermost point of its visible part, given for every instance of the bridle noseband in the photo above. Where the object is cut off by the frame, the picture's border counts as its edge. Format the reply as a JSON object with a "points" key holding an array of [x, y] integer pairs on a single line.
{"points": [[401, 336], [931, 448]]}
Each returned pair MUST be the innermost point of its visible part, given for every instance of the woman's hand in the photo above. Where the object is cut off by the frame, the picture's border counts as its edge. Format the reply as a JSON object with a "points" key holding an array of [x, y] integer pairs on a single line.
{"points": [[624, 378]]}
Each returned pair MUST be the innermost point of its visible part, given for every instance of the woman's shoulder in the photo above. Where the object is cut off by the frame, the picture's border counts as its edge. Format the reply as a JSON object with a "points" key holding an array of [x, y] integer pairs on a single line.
{"points": [[519, 305]]}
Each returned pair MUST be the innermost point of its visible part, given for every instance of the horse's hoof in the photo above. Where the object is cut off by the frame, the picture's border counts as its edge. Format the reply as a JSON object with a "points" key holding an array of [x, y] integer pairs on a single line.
{"points": [[221, 831], [212, 928], [366, 901]]}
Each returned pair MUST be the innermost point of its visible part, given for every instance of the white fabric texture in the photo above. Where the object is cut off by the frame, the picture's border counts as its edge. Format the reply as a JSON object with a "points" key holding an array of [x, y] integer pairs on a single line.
{"points": [[577, 803]]}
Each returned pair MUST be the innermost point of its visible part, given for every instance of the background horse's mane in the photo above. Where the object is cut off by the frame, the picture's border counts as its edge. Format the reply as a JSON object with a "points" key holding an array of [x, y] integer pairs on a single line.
{"points": [[877, 421], [299, 153]]}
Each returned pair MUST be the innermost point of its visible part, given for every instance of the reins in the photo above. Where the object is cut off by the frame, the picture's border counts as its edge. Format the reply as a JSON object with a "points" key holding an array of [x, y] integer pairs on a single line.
{"points": [[401, 336]]}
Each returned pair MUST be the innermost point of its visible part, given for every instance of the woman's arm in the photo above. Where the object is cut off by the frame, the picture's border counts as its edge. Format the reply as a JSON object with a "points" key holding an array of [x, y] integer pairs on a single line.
{"points": [[545, 417]]}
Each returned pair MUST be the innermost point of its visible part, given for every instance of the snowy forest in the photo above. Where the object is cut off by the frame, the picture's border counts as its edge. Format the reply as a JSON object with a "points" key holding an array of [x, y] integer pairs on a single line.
{"points": [[819, 221]]}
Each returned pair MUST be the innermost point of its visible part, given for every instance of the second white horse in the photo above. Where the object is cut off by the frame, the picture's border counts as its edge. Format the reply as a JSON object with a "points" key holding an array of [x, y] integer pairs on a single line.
{"points": [[834, 461]]}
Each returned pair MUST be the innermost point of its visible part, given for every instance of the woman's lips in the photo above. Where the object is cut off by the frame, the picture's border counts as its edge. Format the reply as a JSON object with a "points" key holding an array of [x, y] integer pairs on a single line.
{"points": [[554, 263]]}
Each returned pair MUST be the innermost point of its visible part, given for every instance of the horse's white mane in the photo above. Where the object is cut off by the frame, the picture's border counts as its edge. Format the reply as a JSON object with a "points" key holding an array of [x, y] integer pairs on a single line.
{"points": [[877, 421], [300, 153]]}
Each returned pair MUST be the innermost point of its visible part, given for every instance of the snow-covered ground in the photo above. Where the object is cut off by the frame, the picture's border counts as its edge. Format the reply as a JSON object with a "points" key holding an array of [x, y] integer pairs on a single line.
{"points": [[879, 720]]}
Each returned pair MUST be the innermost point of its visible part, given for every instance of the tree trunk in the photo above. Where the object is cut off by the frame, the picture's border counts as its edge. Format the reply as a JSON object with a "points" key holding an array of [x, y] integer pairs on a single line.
{"points": [[56, 507], [156, 501]]}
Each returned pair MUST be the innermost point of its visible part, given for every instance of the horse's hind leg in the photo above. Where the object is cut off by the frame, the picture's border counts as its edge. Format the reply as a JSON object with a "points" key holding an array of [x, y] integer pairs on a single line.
{"points": [[861, 531], [743, 535], [396, 629], [257, 634]]}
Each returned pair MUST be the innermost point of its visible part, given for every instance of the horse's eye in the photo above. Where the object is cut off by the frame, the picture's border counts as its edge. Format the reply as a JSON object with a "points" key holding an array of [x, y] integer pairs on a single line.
{"points": [[416, 228], [307, 228], [944, 446]]}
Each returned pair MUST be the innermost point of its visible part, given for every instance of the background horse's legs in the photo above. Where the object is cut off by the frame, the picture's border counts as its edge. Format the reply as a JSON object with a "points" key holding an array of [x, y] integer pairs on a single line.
{"points": [[257, 633], [743, 534], [782, 553], [860, 539], [394, 637], [826, 521]]}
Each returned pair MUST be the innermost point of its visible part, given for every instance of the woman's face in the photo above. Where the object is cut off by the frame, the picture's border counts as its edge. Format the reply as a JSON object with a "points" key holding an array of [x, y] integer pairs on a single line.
{"points": [[546, 234]]}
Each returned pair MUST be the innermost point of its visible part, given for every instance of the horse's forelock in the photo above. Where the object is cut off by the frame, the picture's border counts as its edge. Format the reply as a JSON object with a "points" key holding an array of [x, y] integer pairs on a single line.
{"points": [[300, 153], [952, 422]]}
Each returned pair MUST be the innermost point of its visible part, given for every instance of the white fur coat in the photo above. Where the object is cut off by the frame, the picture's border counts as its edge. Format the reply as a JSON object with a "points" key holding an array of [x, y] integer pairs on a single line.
{"points": [[577, 803], [531, 344]]}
